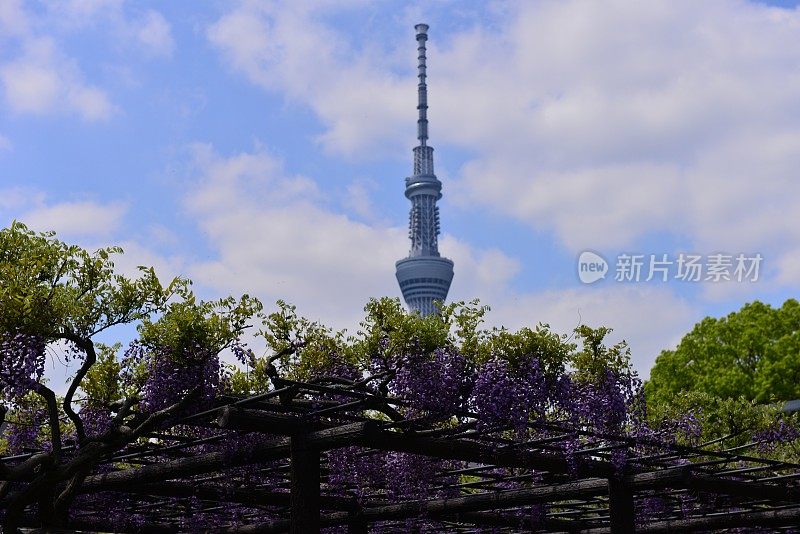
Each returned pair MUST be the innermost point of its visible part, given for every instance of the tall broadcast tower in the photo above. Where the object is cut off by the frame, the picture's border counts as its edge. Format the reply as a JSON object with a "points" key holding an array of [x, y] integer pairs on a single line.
{"points": [[424, 276]]}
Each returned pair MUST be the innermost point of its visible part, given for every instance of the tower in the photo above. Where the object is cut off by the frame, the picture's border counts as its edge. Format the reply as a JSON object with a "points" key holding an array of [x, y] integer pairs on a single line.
{"points": [[424, 276]]}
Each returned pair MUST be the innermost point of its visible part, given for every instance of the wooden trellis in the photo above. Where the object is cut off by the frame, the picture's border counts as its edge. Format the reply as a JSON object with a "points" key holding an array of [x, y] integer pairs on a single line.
{"points": [[496, 479]]}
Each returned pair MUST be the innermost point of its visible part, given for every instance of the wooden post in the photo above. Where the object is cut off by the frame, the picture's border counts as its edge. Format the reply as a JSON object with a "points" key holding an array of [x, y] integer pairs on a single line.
{"points": [[621, 507], [305, 486], [357, 525]]}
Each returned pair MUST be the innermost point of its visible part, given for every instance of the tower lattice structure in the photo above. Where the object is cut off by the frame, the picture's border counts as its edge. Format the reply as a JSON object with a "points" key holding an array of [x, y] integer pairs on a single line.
{"points": [[424, 276]]}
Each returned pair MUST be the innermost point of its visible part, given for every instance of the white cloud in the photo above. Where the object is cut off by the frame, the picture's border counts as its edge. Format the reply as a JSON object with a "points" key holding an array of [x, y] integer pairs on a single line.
{"points": [[5, 143], [273, 236], [485, 274], [76, 218], [162, 235], [788, 267], [619, 120], [32, 85], [649, 319], [13, 20], [137, 254], [146, 31], [90, 102], [286, 47], [43, 81], [591, 207], [94, 225], [154, 32], [357, 200], [14, 199], [81, 13], [603, 123]]}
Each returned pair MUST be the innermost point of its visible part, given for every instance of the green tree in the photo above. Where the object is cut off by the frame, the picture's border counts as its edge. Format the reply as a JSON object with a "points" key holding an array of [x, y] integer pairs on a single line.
{"points": [[54, 292], [61, 292], [753, 353]]}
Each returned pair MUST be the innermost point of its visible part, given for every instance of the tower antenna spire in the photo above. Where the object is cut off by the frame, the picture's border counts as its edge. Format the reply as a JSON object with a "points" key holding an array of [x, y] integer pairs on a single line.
{"points": [[424, 276], [422, 87]]}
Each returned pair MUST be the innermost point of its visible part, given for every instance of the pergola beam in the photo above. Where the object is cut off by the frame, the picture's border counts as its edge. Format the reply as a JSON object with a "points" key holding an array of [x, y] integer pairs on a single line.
{"points": [[100, 525], [304, 500], [368, 434], [254, 496], [767, 518], [215, 461], [481, 502]]}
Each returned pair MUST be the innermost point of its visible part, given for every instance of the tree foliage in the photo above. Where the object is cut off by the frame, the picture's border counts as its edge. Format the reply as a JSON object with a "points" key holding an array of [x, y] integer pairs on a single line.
{"points": [[753, 353], [52, 292], [728, 378], [445, 371]]}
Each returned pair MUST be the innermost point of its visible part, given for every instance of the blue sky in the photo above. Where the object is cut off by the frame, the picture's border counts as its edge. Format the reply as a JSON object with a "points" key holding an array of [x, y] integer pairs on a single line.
{"points": [[260, 147]]}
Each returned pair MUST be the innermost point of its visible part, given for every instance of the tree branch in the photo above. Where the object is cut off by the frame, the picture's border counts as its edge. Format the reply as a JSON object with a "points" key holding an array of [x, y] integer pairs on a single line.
{"points": [[56, 278], [157, 417], [26, 468], [64, 499], [87, 346], [52, 408], [123, 411]]}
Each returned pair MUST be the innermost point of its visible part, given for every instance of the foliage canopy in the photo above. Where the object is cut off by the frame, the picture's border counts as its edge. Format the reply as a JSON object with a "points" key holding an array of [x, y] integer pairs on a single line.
{"points": [[169, 395], [753, 353]]}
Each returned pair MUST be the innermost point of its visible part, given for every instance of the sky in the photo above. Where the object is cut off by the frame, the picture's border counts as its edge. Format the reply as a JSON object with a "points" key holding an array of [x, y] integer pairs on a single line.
{"points": [[261, 148]]}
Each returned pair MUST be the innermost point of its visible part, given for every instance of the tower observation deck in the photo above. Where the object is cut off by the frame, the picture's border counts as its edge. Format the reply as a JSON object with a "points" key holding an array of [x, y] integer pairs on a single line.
{"points": [[424, 276]]}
